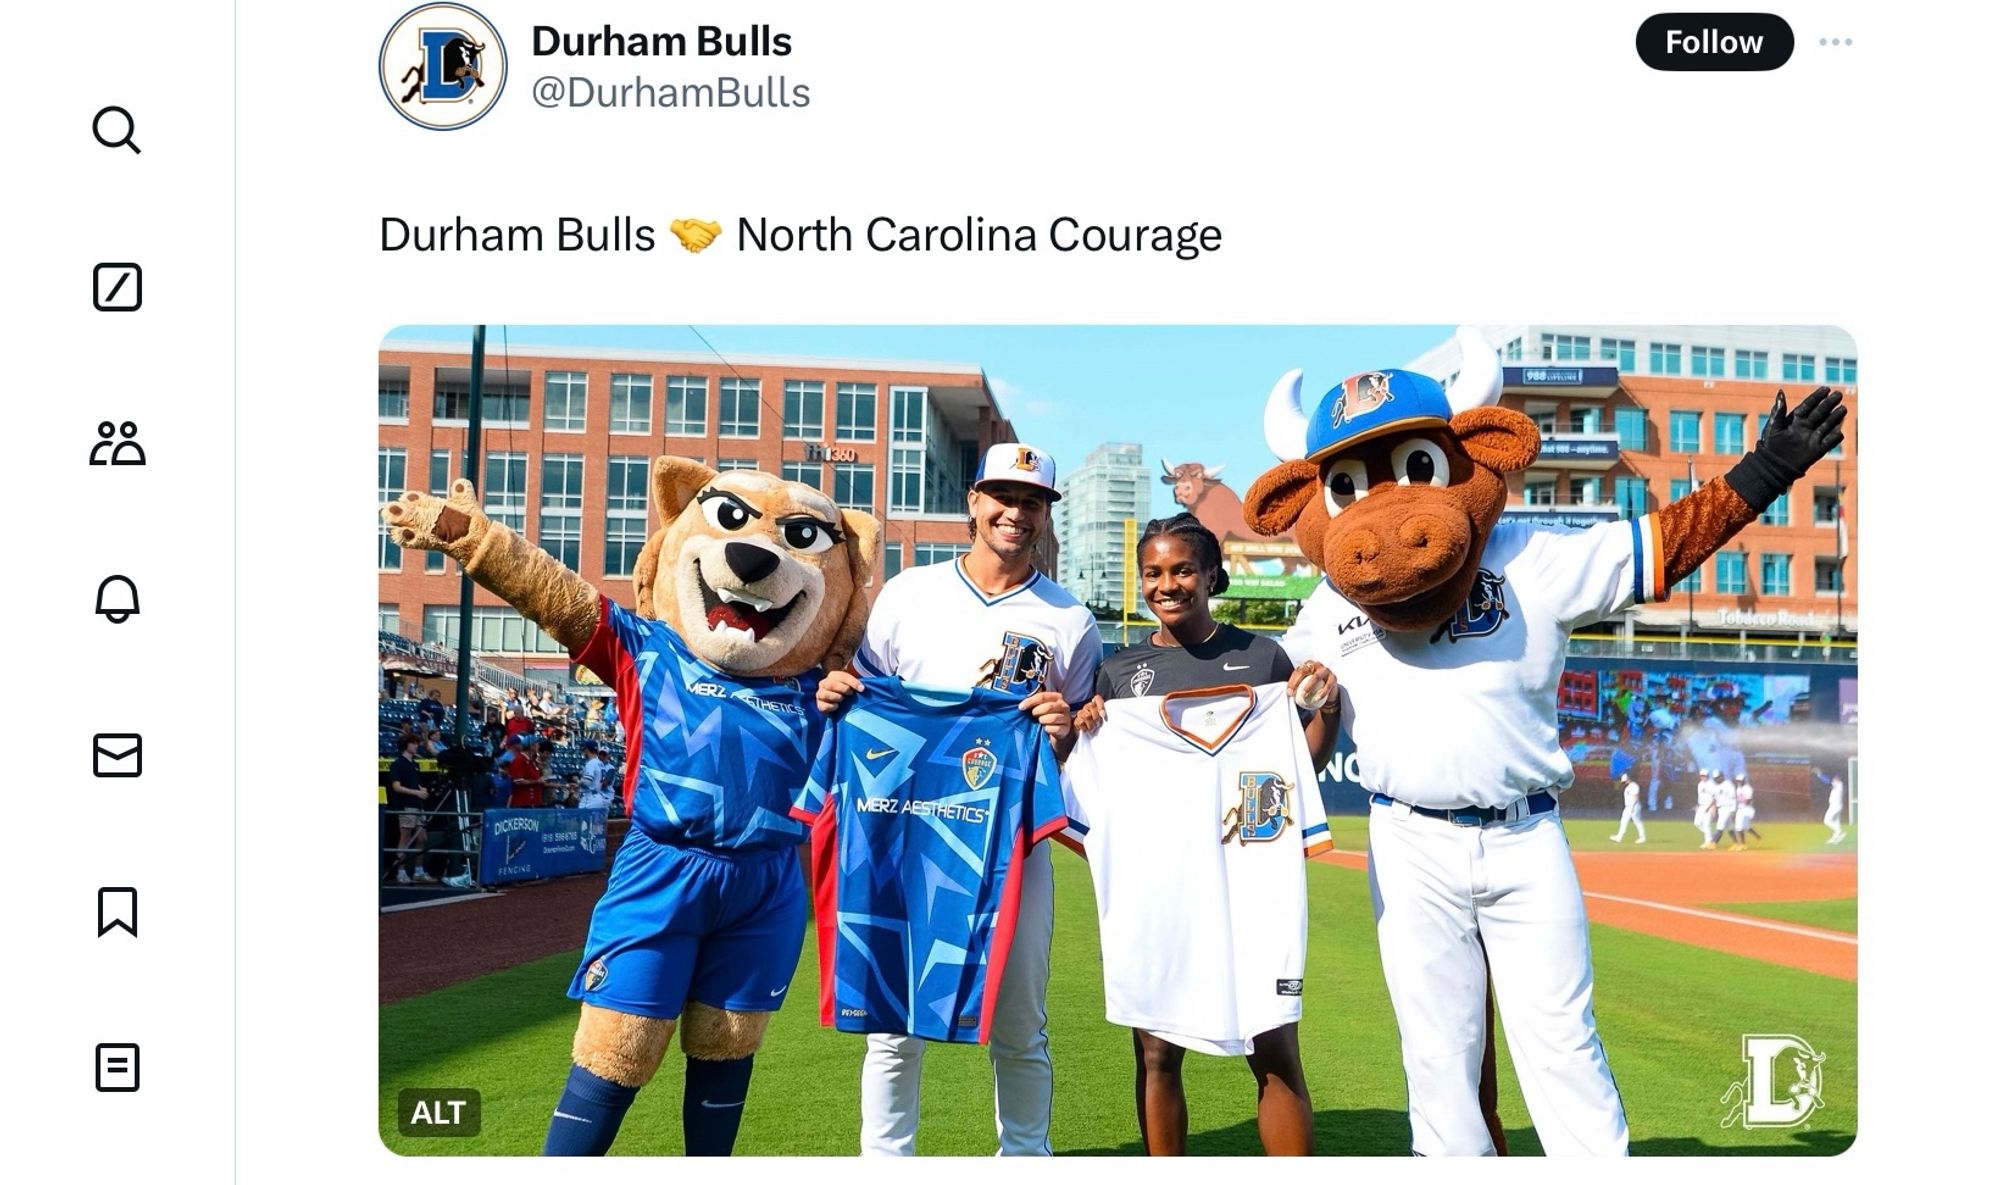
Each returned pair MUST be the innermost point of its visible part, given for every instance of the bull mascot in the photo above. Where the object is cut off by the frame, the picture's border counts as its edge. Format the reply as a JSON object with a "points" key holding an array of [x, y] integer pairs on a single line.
{"points": [[750, 587], [1447, 629]]}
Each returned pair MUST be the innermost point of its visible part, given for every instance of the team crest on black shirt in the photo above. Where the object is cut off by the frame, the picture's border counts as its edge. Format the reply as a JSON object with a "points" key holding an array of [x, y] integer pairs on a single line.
{"points": [[1142, 679]]}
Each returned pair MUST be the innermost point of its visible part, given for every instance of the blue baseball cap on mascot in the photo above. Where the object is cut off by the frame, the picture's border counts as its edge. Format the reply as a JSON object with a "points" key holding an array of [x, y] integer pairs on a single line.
{"points": [[1371, 404]]}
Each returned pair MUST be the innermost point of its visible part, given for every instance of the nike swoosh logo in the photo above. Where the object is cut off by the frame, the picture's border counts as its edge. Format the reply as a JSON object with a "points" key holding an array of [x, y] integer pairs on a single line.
{"points": [[781, 991], [1244, 667], [721, 1106], [872, 754]]}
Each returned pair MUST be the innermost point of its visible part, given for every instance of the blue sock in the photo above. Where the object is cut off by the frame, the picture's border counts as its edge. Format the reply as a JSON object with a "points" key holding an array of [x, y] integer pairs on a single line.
{"points": [[712, 1108], [587, 1118]]}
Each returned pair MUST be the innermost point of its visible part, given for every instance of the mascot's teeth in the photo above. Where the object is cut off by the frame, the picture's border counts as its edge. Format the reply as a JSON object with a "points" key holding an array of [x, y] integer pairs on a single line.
{"points": [[740, 598]]}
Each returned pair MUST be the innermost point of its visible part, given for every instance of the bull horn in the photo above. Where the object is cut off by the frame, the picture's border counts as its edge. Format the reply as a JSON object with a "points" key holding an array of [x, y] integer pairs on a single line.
{"points": [[1479, 373], [1167, 466], [1211, 473], [1284, 419]]}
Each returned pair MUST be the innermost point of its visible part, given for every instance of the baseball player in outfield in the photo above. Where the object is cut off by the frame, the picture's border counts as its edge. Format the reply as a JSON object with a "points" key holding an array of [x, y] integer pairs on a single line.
{"points": [[1745, 810], [987, 619], [1836, 810], [1704, 807], [1631, 815], [1447, 628], [1725, 809]]}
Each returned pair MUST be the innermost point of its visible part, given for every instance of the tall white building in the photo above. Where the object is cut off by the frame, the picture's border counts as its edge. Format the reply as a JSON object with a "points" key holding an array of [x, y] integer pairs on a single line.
{"points": [[1098, 497]]}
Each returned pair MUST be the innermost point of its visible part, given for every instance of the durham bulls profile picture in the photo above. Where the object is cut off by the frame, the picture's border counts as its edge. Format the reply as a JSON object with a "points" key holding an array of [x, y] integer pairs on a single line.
{"points": [[443, 66]]}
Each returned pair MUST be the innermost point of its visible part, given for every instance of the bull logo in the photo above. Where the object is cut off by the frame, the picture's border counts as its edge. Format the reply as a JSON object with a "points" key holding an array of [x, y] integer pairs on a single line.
{"points": [[1262, 812], [978, 764], [1021, 667], [442, 66], [1484, 609], [1782, 1087], [1360, 395]]}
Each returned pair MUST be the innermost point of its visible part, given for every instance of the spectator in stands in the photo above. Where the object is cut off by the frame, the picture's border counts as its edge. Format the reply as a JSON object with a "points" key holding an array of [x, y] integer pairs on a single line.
{"points": [[593, 718], [504, 769], [555, 791], [431, 709], [406, 801], [594, 783], [433, 743], [530, 778], [518, 721]]}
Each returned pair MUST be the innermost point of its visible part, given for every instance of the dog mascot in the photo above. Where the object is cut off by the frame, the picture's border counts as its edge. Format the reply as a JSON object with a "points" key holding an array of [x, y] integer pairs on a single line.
{"points": [[1447, 628], [747, 588]]}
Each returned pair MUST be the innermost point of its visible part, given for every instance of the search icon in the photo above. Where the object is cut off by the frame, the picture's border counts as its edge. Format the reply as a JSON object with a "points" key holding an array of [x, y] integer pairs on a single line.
{"points": [[122, 139]]}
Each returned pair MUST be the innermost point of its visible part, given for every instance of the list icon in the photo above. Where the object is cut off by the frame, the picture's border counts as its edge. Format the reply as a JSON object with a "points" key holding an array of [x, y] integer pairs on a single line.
{"points": [[117, 1067]]}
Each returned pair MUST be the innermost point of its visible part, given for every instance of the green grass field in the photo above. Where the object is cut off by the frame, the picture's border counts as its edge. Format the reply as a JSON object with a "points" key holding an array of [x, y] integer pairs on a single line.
{"points": [[1671, 1015], [1827, 915], [1664, 833]]}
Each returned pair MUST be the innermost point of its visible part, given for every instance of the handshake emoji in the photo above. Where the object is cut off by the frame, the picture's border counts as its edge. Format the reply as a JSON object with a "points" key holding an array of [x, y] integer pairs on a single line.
{"points": [[693, 233]]}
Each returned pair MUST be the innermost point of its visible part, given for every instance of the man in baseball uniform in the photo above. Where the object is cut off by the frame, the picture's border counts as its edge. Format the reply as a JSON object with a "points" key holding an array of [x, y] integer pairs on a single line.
{"points": [[1631, 815], [1448, 627], [1745, 811], [1836, 810], [1704, 807], [1725, 808], [987, 619]]}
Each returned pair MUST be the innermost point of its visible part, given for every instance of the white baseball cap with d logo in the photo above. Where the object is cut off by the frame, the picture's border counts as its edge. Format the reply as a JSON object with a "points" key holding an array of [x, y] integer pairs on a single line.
{"points": [[1021, 464]]}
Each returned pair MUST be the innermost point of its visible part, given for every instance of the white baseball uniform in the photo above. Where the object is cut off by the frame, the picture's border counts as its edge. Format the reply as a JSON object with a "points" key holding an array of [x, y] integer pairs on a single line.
{"points": [[1725, 805], [1746, 810], [931, 625], [1631, 814], [1204, 939], [1836, 808], [1465, 717], [1704, 808]]}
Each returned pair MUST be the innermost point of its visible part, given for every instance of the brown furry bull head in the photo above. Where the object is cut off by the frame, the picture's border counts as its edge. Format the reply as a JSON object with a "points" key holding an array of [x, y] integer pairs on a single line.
{"points": [[1395, 501]]}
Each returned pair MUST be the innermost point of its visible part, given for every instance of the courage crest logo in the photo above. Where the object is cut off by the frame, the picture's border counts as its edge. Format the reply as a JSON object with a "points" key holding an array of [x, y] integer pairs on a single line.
{"points": [[978, 764], [442, 66]]}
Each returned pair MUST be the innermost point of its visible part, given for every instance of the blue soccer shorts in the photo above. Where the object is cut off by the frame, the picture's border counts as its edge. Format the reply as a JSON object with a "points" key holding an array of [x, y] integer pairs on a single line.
{"points": [[678, 924]]}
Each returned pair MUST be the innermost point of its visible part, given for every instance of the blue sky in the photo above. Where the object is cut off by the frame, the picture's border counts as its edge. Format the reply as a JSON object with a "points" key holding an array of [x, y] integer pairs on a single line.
{"points": [[1185, 393]]}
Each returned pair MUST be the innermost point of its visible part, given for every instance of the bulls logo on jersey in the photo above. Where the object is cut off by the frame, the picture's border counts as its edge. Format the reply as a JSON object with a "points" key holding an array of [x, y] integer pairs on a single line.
{"points": [[1263, 810], [1021, 667], [1484, 609]]}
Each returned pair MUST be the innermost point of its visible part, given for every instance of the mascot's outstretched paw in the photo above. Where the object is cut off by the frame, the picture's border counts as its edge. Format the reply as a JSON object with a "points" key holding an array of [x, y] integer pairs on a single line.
{"points": [[452, 524]]}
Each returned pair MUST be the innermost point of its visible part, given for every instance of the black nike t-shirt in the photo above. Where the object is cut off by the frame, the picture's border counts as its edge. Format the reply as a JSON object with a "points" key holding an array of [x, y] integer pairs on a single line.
{"points": [[1233, 655]]}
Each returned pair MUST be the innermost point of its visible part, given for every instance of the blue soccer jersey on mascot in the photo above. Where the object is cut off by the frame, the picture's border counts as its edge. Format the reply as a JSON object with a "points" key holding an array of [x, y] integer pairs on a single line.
{"points": [[704, 900], [711, 759], [924, 803]]}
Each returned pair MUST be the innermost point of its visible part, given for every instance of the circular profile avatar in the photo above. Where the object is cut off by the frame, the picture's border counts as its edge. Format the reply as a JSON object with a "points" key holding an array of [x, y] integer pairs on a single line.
{"points": [[443, 66]]}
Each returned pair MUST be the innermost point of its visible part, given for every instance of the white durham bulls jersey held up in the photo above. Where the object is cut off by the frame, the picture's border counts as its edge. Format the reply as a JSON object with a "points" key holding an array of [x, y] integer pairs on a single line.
{"points": [[1465, 715], [1195, 811]]}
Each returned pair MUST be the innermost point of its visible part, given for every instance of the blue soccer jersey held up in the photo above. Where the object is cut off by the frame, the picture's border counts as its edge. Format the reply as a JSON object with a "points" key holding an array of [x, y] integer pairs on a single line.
{"points": [[923, 804]]}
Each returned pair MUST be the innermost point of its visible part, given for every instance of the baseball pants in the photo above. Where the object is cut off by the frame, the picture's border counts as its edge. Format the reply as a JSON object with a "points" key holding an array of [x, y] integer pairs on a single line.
{"points": [[1631, 816], [1023, 1079], [1440, 890]]}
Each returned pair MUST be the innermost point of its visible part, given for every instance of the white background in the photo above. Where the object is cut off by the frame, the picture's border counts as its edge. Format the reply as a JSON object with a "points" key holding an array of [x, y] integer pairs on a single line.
{"points": [[1419, 162]]}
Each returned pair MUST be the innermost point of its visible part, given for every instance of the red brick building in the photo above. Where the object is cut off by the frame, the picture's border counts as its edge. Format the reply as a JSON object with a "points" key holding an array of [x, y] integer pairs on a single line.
{"points": [[569, 435]]}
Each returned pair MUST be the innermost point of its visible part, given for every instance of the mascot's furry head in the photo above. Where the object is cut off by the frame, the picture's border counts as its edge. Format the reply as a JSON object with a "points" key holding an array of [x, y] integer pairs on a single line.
{"points": [[1394, 482], [759, 576]]}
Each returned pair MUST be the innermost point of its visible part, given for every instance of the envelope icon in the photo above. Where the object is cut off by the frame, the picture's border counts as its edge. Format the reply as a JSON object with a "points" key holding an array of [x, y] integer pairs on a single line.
{"points": [[115, 754]]}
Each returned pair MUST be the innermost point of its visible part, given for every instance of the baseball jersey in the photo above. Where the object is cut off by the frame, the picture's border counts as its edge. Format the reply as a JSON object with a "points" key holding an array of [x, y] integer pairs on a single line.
{"points": [[1194, 810], [1465, 715], [1631, 794], [1836, 795], [711, 759], [1744, 794], [923, 804], [1704, 794], [931, 626]]}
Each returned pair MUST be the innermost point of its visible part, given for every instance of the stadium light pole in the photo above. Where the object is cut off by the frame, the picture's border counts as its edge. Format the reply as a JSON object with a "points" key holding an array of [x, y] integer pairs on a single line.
{"points": [[472, 426]]}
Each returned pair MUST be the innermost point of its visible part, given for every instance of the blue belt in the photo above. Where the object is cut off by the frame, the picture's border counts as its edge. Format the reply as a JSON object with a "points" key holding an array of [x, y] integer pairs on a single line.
{"points": [[1539, 802]]}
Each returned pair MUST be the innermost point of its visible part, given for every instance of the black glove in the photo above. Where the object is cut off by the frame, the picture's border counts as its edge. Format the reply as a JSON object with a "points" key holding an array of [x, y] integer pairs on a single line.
{"points": [[1791, 444]]}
